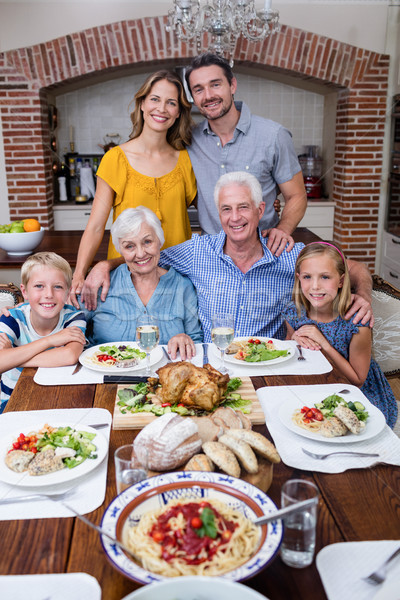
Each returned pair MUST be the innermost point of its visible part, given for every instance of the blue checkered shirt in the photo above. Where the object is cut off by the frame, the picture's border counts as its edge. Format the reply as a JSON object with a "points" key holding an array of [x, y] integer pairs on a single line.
{"points": [[255, 298]]}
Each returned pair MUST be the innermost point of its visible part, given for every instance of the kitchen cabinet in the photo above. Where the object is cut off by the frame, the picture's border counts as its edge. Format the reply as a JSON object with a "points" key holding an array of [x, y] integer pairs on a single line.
{"points": [[390, 261], [74, 216], [319, 218], [390, 266]]}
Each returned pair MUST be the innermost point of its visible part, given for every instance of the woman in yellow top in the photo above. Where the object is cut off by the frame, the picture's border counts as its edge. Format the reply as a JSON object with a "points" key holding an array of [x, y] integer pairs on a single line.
{"points": [[152, 169]]}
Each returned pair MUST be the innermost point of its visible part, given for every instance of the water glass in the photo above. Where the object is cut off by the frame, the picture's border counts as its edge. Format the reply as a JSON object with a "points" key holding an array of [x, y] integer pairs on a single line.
{"points": [[147, 336], [222, 334], [298, 544], [128, 469]]}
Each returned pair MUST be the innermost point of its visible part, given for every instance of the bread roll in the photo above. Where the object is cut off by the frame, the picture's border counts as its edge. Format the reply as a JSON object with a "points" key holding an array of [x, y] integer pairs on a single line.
{"points": [[167, 442], [208, 430], [222, 457], [242, 451], [199, 462], [258, 442]]}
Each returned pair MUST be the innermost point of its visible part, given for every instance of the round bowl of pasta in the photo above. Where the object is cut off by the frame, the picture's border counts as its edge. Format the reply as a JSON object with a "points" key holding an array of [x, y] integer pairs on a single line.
{"points": [[191, 523]]}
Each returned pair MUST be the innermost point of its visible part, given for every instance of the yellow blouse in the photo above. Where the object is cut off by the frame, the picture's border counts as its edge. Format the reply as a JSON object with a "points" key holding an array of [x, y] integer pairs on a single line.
{"points": [[168, 196]]}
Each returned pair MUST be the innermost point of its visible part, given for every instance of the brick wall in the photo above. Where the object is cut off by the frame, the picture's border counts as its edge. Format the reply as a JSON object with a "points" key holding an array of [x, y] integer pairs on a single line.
{"points": [[360, 76]]}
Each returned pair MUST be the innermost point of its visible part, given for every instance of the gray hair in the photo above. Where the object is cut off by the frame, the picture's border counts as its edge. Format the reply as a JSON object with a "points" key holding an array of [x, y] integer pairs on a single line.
{"points": [[240, 178], [130, 221]]}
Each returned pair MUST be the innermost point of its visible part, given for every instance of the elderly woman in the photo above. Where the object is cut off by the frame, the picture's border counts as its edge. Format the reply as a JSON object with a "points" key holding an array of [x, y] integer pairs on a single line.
{"points": [[140, 286]]}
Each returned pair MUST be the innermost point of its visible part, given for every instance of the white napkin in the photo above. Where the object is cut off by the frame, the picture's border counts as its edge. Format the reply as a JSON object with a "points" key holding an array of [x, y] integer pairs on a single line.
{"points": [[315, 364], [61, 586], [289, 444], [88, 492], [63, 376], [342, 565]]}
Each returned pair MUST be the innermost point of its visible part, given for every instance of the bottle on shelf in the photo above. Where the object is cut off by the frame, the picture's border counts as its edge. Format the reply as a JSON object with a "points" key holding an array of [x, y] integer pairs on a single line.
{"points": [[63, 183]]}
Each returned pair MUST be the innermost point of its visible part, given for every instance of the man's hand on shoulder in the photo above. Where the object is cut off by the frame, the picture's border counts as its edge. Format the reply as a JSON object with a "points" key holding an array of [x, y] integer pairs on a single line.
{"points": [[278, 240], [361, 310]]}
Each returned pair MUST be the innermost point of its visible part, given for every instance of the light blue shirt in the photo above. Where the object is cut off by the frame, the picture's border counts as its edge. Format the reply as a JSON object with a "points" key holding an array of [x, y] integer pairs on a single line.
{"points": [[259, 146], [173, 303], [256, 298], [20, 332]]}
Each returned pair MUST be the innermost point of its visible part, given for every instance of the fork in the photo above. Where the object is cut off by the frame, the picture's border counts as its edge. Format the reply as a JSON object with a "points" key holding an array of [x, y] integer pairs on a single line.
{"points": [[31, 497], [300, 349], [379, 575], [348, 452]]}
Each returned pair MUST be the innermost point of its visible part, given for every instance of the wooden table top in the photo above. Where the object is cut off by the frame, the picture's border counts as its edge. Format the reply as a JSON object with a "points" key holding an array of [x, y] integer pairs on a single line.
{"points": [[356, 505], [66, 244]]}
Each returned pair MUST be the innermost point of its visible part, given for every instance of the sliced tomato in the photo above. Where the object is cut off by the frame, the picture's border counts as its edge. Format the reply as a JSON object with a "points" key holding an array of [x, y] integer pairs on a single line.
{"points": [[226, 535], [158, 536]]}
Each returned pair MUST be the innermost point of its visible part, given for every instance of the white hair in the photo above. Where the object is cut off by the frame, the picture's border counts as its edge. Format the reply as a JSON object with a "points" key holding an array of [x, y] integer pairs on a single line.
{"points": [[240, 178], [130, 221]]}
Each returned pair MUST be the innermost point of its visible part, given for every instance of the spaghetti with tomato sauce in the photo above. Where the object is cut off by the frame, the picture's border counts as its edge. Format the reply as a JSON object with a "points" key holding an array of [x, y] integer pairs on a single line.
{"points": [[193, 538]]}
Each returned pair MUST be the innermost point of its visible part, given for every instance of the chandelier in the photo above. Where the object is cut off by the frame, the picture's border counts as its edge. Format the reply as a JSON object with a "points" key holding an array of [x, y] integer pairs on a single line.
{"points": [[224, 20]]}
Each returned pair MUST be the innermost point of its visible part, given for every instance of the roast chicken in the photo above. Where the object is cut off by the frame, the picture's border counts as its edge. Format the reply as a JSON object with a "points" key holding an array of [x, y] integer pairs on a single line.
{"points": [[197, 387]]}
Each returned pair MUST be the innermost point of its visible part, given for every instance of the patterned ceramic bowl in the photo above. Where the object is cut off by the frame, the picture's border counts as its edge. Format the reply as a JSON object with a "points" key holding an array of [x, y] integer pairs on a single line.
{"points": [[154, 493]]}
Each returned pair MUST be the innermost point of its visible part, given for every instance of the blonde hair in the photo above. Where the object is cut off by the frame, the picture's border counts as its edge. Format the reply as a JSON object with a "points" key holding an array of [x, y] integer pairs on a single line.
{"points": [[179, 135], [343, 299], [46, 259]]}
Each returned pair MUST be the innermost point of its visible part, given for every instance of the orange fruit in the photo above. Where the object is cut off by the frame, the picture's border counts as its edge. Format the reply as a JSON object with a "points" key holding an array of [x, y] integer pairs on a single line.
{"points": [[31, 225]]}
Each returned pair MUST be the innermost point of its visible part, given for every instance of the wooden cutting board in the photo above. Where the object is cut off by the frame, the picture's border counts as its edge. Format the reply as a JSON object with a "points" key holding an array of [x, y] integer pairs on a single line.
{"points": [[139, 420]]}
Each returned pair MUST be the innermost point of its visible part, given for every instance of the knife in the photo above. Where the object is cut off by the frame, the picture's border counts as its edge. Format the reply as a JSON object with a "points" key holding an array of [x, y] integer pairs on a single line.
{"points": [[205, 354], [124, 379], [77, 368]]}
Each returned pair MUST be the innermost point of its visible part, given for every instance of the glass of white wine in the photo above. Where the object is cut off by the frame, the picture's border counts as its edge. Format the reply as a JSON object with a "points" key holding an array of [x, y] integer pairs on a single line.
{"points": [[147, 336], [222, 334]]}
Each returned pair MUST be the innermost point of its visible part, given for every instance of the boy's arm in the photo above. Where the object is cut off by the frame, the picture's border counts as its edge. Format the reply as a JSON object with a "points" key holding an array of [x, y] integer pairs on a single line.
{"points": [[66, 344]]}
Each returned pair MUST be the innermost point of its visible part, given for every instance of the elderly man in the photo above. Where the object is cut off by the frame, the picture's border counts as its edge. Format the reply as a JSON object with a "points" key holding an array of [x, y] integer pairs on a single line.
{"points": [[232, 139], [235, 272]]}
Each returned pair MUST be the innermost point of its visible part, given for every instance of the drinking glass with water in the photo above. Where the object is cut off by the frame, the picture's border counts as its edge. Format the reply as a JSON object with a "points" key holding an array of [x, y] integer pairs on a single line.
{"points": [[298, 544], [147, 336], [222, 334], [128, 468]]}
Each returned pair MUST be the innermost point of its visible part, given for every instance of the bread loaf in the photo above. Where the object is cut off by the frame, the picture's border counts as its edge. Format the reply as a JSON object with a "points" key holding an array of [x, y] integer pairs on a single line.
{"points": [[167, 442]]}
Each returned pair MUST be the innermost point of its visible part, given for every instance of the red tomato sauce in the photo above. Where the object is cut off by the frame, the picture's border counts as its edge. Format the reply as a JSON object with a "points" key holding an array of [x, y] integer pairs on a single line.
{"points": [[185, 543]]}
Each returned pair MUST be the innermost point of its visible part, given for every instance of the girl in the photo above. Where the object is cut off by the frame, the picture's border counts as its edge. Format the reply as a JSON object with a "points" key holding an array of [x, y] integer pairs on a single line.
{"points": [[315, 319]]}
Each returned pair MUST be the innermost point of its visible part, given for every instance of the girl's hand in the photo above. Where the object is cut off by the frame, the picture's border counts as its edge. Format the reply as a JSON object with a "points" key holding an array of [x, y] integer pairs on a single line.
{"points": [[67, 335], [184, 344], [310, 337]]}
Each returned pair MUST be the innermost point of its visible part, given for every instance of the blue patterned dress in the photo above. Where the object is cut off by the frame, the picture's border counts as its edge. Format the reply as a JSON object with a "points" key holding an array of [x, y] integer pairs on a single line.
{"points": [[339, 333]]}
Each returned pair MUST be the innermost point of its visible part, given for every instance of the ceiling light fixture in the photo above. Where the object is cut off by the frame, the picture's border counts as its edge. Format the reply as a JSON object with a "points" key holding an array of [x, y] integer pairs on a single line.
{"points": [[224, 20]]}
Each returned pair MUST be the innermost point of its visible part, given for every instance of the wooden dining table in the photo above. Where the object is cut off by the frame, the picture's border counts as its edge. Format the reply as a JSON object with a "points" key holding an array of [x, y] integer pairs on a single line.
{"points": [[359, 504]]}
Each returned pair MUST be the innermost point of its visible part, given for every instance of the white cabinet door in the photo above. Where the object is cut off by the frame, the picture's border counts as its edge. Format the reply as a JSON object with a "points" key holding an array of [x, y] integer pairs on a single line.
{"points": [[66, 219]]}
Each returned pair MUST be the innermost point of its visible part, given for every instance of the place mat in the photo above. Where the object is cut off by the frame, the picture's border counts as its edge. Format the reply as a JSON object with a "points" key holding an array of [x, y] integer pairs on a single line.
{"points": [[139, 420], [289, 444], [64, 376], [60, 586], [87, 493], [341, 567], [315, 364]]}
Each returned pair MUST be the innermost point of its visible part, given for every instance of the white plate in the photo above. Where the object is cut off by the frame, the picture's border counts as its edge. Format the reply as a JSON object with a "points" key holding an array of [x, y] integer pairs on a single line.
{"points": [[192, 588], [280, 345], [63, 476], [155, 356], [374, 424]]}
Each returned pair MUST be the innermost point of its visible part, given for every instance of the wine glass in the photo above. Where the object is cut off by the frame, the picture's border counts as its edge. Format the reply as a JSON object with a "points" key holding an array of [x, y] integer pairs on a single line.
{"points": [[222, 334], [147, 336]]}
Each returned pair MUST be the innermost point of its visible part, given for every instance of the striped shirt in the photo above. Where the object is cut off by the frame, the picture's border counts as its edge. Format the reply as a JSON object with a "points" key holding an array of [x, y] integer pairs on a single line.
{"points": [[256, 298], [19, 330]]}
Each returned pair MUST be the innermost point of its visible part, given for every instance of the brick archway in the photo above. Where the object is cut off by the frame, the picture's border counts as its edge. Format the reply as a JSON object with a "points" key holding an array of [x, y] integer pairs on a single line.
{"points": [[360, 76]]}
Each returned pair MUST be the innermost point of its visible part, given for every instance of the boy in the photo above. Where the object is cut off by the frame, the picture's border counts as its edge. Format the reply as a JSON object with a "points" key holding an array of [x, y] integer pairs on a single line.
{"points": [[44, 331]]}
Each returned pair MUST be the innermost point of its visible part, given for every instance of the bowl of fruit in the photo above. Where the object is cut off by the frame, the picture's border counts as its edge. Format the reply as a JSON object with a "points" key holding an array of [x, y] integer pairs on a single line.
{"points": [[21, 237]]}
